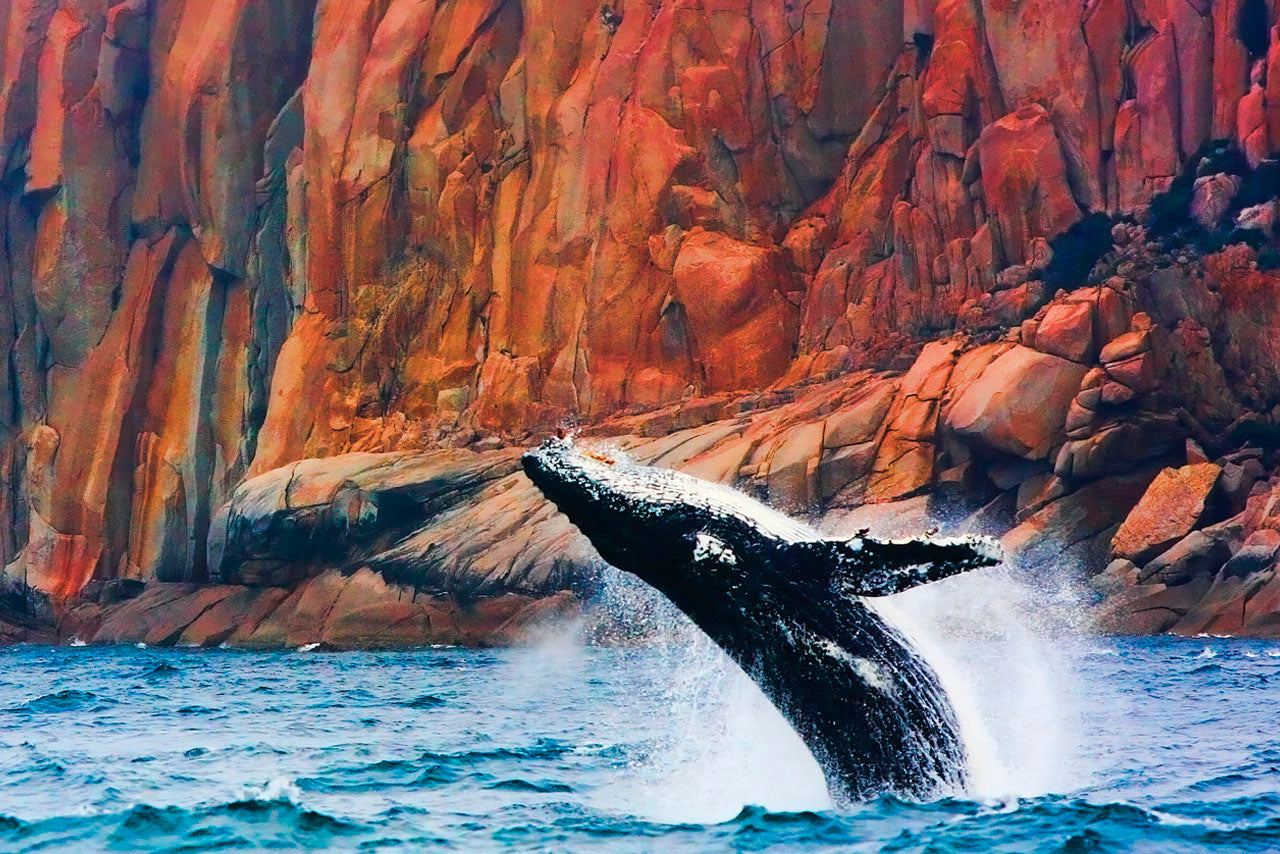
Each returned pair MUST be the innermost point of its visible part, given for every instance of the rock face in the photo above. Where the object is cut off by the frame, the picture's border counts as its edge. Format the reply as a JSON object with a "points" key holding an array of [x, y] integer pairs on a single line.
{"points": [[241, 235], [1168, 511], [1019, 403]]}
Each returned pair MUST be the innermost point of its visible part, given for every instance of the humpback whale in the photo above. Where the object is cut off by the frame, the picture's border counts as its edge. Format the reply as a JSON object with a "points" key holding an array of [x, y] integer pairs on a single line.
{"points": [[788, 606]]}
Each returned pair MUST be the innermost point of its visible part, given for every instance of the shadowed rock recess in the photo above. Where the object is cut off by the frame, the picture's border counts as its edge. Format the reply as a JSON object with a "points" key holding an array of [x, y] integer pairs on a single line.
{"points": [[285, 286]]}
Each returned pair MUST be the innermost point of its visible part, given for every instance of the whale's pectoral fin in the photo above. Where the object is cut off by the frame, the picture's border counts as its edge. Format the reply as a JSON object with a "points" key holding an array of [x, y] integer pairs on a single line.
{"points": [[869, 567]]}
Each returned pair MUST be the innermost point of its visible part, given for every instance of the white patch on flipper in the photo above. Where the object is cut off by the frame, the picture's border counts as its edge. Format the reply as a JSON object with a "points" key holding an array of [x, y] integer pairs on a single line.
{"points": [[834, 650], [985, 547], [868, 671], [707, 547], [786, 632], [873, 675]]}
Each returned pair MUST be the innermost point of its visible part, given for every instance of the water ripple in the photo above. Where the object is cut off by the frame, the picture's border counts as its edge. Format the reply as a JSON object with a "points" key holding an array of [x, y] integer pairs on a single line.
{"points": [[631, 750]]}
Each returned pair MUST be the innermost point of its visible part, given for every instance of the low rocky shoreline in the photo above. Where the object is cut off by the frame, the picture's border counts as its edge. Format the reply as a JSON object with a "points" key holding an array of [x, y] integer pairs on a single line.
{"points": [[330, 611]]}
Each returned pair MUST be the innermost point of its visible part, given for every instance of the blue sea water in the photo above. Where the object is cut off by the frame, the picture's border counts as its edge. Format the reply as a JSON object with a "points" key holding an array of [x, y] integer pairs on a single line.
{"points": [[1148, 745]]}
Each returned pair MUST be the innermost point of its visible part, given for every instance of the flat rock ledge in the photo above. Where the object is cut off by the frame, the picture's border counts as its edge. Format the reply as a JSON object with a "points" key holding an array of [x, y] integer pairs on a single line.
{"points": [[333, 611], [362, 551]]}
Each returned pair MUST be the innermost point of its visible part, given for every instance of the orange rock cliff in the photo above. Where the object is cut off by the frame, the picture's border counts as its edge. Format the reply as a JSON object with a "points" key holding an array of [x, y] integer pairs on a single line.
{"points": [[285, 285]]}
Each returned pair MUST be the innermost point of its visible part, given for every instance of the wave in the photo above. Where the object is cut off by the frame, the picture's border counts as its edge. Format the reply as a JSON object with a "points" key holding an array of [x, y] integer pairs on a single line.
{"points": [[430, 770], [70, 700], [250, 823], [385, 774], [578, 754], [1049, 824], [539, 786], [543, 748]]}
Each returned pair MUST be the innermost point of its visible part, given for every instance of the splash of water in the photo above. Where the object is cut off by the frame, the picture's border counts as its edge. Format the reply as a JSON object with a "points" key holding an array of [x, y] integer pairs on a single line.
{"points": [[1006, 648], [1009, 648], [1011, 672], [720, 744], [274, 789]]}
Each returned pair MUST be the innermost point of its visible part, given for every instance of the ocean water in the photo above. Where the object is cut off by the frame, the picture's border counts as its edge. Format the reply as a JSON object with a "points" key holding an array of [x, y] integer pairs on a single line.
{"points": [[1159, 745]]}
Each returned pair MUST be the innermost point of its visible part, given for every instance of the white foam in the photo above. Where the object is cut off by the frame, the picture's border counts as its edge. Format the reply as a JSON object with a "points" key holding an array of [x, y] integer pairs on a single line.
{"points": [[1008, 664], [275, 789], [719, 744]]}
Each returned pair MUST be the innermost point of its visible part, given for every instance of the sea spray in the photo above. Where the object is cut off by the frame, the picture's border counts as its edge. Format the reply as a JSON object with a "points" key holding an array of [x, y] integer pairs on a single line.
{"points": [[1012, 681], [1007, 649], [718, 745]]}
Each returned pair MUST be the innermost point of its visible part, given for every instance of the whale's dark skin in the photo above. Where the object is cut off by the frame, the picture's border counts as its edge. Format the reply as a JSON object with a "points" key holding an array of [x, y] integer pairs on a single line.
{"points": [[786, 606]]}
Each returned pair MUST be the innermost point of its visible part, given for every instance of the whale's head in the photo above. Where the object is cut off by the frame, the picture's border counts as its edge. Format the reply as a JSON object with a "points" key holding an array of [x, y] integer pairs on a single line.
{"points": [[628, 511], [679, 534]]}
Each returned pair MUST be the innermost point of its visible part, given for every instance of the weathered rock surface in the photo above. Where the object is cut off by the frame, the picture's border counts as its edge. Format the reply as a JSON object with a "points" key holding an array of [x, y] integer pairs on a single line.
{"points": [[1171, 507], [1019, 403], [242, 236], [339, 508]]}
